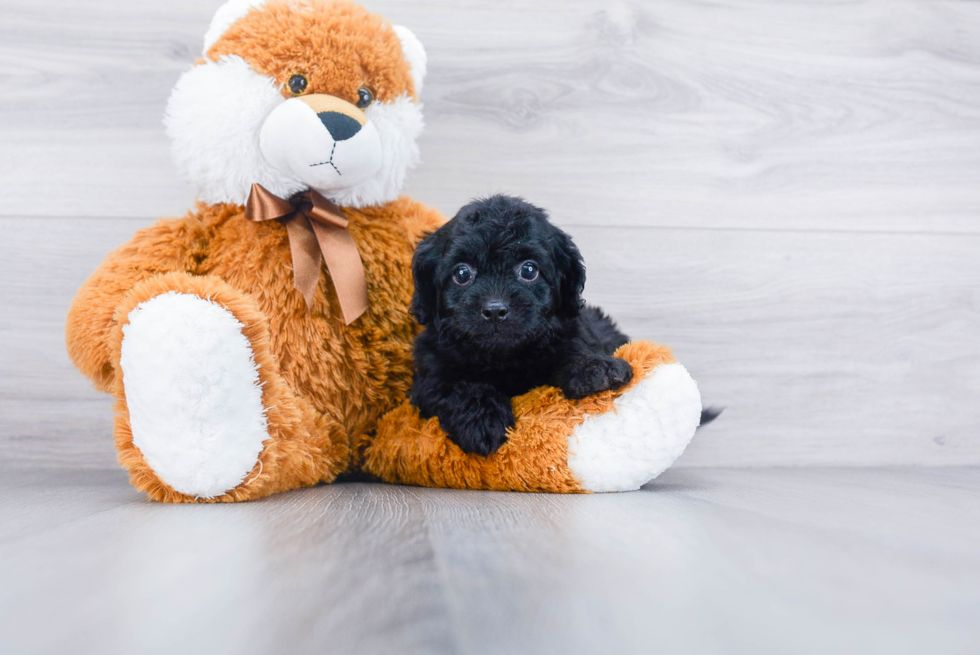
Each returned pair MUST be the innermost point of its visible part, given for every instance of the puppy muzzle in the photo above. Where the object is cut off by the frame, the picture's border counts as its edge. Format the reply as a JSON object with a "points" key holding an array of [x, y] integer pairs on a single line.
{"points": [[322, 141], [495, 311]]}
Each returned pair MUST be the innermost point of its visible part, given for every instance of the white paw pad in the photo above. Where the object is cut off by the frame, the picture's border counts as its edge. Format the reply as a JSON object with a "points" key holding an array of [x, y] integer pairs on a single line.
{"points": [[193, 392], [653, 423]]}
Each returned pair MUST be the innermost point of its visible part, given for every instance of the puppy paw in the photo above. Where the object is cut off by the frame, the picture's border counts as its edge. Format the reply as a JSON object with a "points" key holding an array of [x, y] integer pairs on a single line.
{"points": [[482, 431], [596, 375]]}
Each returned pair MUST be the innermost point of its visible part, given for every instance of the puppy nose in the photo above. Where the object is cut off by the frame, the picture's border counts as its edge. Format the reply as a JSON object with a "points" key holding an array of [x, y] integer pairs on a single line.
{"points": [[495, 311], [340, 126]]}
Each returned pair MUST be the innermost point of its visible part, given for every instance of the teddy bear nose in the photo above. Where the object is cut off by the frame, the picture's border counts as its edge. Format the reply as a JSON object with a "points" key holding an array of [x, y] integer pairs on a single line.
{"points": [[340, 126]]}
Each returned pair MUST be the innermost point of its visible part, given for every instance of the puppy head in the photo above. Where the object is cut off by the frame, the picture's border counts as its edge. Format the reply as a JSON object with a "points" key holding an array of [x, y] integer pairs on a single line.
{"points": [[296, 95], [497, 276]]}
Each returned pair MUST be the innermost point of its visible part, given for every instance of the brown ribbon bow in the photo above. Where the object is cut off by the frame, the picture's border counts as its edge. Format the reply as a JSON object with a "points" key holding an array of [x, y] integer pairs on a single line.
{"points": [[316, 228]]}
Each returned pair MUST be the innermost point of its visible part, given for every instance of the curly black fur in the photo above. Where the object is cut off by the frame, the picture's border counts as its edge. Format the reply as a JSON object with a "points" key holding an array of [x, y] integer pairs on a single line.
{"points": [[502, 330]]}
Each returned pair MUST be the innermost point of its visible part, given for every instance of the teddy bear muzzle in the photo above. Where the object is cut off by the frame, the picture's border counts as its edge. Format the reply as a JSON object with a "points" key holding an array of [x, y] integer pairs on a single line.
{"points": [[322, 141]]}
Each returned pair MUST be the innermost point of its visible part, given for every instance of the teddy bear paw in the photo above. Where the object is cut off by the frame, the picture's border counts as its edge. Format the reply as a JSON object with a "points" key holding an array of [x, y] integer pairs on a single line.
{"points": [[652, 423], [193, 393]]}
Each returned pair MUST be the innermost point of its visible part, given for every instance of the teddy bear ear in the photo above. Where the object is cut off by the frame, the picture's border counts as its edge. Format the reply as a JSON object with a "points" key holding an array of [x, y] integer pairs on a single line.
{"points": [[225, 17], [414, 53]]}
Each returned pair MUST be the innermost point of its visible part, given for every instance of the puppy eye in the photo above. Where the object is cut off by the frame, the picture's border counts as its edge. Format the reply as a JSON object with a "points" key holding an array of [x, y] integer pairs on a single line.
{"points": [[298, 84], [528, 271], [365, 97], [463, 274]]}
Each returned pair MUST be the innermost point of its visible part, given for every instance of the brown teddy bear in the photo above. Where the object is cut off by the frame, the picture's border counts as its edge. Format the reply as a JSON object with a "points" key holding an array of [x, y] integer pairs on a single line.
{"points": [[262, 342]]}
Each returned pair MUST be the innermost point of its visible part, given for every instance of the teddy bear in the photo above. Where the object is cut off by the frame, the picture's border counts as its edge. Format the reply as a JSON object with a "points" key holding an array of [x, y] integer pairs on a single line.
{"points": [[262, 342]]}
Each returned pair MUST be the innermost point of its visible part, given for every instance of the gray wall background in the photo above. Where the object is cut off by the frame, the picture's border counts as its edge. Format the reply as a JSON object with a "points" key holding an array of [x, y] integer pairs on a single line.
{"points": [[787, 192]]}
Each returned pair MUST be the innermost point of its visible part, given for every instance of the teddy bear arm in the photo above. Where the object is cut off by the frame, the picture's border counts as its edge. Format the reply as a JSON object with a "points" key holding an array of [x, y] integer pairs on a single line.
{"points": [[162, 248], [420, 219], [616, 440]]}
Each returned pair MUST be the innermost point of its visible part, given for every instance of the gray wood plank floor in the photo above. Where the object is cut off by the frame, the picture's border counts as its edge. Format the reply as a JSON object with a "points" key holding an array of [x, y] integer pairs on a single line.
{"points": [[700, 561]]}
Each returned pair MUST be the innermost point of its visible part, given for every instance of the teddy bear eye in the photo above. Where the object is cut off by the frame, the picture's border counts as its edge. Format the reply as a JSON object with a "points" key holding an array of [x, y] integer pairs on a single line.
{"points": [[298, 84], [463, 274], [365, 97], [528, 271]]}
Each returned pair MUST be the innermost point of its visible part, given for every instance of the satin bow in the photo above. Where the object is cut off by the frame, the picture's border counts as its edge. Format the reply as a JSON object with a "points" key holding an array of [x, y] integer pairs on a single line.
{"points": [[317, 229]]}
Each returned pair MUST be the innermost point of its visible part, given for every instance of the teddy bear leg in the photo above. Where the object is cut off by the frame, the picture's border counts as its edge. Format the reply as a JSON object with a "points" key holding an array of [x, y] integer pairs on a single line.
{"points": [[613, 441], [202, 413]]}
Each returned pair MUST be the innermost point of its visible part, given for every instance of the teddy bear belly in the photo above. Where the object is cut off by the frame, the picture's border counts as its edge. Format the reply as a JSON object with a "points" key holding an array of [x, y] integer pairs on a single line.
{"points": [[352, 373]]}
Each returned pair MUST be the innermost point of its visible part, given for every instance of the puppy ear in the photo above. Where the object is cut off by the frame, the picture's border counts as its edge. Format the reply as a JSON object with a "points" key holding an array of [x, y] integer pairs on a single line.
{"points": [[424, 263], [571, 275]]}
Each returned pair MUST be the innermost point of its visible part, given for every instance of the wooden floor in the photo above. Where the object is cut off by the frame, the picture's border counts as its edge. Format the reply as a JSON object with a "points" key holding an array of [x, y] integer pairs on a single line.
{"points": [[700, 561]]}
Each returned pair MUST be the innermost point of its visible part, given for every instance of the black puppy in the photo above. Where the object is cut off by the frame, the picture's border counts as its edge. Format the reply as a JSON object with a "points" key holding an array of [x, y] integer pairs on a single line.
{"points": [[498, 290]]}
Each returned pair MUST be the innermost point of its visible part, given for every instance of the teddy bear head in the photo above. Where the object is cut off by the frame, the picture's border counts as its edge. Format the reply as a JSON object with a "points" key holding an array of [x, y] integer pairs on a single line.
{"points": [[297, 95]]}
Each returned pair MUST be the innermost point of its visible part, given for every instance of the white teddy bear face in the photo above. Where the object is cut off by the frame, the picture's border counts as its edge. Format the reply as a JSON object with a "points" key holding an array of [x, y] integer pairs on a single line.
{"points": [[299, 94], [322, 141]]}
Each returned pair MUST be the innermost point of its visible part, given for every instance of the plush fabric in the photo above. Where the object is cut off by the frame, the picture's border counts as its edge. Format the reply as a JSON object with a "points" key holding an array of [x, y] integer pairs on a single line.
{"points": [[412, 450], [227, 385], [193, 393]]}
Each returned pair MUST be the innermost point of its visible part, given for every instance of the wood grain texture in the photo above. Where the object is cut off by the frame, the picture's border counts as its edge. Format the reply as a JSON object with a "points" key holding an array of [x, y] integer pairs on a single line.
{"points": [[785, 193], [702, 561], [823, 348], [845, 115]]}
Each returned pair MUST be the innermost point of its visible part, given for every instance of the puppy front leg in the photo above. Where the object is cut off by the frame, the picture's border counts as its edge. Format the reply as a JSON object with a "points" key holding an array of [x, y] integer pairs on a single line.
{"points": [[476, 417], [589, 373]]}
